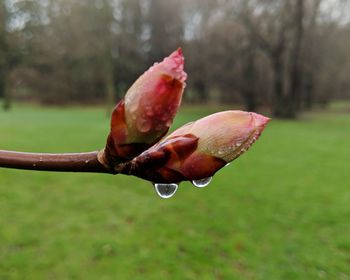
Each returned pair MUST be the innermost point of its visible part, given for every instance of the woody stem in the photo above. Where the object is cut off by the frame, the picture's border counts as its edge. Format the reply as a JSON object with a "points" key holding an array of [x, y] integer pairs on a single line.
{"points": [[72, 162]]}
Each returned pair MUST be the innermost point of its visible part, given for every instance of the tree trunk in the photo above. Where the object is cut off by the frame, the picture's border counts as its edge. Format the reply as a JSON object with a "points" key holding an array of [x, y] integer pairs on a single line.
{"points": [[109, 88], [308, 90], [310, 62], [202, 92], [249, 72], [4, 92], [7, 100], [294, 95], [2, 81], [279, 102]]}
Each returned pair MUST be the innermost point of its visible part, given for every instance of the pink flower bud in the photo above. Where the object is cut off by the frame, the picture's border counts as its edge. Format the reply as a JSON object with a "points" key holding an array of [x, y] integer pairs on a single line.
{"points": [[199, 149], [148, 109]]}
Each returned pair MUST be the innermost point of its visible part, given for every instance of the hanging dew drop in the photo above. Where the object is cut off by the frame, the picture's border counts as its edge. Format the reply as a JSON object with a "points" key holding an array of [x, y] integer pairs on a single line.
{"points": [[201, 183], [165, 190]]}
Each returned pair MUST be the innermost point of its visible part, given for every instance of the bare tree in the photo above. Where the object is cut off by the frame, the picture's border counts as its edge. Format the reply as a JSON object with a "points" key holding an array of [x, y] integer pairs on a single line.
{"points": [[295, 61], [249, 80], [311, 57], [4, 93], [279, 36]]}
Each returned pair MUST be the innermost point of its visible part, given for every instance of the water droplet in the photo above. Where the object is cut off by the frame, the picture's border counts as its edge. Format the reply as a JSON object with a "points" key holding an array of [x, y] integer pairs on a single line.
{"points": [[169, 122], [133, 107], [144, 125], [165, 190], [201, 183], [149, 111]]}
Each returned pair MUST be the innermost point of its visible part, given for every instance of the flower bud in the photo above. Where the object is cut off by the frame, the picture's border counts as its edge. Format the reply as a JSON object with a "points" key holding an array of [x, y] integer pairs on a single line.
{"points": [[148, 109], [199, 149]]}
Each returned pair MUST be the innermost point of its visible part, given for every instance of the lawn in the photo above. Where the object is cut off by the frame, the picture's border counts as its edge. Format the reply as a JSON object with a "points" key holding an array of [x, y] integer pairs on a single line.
{"points": [[281, 211]]}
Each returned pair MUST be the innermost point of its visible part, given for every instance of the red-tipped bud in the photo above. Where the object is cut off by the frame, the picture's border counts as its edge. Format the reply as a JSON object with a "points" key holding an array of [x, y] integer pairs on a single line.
{"points": [[199, 149], [148, 109]]}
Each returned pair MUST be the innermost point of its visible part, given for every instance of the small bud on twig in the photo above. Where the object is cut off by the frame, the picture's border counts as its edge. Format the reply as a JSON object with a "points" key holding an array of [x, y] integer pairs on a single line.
{"points": [[147, 110], [199, 149]]}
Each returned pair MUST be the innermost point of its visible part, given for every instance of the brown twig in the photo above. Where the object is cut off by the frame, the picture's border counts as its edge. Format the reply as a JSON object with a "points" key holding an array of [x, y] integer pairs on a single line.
{"points": [[74, 162]]}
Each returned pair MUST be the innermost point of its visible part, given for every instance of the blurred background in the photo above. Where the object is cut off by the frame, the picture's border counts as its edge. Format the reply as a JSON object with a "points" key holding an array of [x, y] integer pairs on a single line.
{"points": [[281, 211], [285, 56]]}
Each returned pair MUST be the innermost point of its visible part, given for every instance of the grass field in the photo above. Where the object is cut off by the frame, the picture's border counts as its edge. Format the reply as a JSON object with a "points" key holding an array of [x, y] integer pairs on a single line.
{"points": [[281, 211]]}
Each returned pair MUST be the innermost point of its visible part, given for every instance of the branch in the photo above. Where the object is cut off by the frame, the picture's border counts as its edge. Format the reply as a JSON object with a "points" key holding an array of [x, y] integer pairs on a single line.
{"points": [[254, 34], [74, 162]]}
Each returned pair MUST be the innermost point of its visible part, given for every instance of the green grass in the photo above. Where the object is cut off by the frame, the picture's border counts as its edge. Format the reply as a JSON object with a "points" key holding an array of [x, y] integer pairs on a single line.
{"points": [[281, 211]]}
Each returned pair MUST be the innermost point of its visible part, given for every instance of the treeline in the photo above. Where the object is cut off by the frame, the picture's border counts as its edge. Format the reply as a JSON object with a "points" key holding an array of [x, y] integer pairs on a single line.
{"points": [[284, 55]]}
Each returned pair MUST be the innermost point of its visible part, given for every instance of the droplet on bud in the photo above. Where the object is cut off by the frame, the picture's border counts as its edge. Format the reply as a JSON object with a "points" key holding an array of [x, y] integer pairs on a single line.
{"points": [[201, 183], [144, 125], [165, 190]]}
